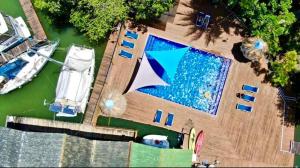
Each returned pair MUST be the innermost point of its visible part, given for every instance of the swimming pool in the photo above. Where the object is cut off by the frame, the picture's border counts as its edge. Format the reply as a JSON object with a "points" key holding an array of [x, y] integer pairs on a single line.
{"points": [[199, 79]]}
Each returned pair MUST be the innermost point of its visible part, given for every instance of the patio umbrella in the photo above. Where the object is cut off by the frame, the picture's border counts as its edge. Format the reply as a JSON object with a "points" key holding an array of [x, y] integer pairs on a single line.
{"points": [[113, 103], [254, 48]]}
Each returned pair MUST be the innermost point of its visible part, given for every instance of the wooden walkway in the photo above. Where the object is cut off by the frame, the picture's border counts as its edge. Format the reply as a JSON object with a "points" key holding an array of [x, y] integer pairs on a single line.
{"points": [[72, 126], [33, 20], [105, 65]]}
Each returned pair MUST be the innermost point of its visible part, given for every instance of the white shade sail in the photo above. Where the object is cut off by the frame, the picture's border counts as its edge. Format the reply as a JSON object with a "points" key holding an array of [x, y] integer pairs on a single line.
{"points": [[146, 76]]}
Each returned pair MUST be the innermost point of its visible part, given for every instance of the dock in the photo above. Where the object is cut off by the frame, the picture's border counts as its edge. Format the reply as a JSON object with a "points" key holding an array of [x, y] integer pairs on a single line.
{"points": [[71, 126], [33, 20], [102, 74]]}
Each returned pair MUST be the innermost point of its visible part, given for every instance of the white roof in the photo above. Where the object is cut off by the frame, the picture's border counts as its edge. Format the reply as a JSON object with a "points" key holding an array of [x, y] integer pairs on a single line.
{"points": [[3, 26]]}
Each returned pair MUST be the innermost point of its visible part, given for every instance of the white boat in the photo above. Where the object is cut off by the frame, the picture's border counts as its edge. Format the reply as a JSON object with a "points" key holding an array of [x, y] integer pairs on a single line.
{"points": [[159, 141], [12, 31], [24, 67], [74, 83]]}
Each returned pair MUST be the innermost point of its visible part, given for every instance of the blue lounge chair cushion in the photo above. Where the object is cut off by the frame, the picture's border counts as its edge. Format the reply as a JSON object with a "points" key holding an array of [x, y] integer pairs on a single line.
{"points": [[170, 119], [131, 34], [244, 108], [125, 54], [205, 21], [248, 98], [69, 110], [250, 88], [157, 116], [200, 18], [127, 44], [55, 107]]}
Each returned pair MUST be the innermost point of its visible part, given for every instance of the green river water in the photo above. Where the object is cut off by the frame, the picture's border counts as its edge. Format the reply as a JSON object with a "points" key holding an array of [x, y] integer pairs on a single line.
{"points": [[28, 101]]}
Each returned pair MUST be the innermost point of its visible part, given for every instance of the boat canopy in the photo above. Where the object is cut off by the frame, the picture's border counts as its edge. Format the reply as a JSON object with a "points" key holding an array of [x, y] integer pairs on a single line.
{"points": [[73, 83], [3, 25], [146, 76], [168, 59]]}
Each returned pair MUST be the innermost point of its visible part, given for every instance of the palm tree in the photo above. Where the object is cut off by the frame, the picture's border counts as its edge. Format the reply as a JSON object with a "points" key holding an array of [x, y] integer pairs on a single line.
{"points": [[254, 49], [113, 104]]}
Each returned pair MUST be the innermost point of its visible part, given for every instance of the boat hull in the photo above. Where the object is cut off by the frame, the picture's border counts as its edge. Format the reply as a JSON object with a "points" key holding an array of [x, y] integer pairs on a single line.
{"points": [[158, 141], [33, 67]]}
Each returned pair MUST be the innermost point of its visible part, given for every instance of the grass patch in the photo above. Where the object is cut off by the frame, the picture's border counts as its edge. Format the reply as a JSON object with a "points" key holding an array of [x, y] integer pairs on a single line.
{"points": [[142, 129]]}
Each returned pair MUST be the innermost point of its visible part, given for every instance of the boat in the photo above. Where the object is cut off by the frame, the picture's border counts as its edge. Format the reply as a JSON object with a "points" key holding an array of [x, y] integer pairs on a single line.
{"points": [[74, 82], [13, 31], [159, 141], [26, 66], [199, 142], [192, 139]]}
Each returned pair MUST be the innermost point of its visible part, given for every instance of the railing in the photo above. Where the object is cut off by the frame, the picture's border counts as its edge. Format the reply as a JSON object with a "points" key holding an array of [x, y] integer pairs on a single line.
{"points": [[284, 99], [119, 28]]}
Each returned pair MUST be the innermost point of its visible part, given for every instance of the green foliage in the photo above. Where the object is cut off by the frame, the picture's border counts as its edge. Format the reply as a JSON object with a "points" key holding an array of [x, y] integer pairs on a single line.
{"points": [[97, 17], [281, 70], [267, 19], [56, 8], [149, 9], [294, 39]]}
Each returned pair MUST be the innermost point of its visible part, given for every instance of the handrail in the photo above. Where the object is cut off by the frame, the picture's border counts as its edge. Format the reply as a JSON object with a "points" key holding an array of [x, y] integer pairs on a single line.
{"points": [[120, 25]]}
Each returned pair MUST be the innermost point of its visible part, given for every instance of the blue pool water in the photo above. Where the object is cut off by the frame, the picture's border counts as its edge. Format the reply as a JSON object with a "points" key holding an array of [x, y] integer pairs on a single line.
{"points": [[199, 79]]}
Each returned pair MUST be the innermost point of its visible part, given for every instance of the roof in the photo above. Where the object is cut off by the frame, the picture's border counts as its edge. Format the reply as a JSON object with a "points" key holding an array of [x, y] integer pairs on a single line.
{"points": [[33, 149], [36, 149], [143, 155]]}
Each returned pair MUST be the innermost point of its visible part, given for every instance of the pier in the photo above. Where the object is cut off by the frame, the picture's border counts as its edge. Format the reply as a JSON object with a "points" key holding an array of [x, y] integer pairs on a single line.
{"points": [[33, 20], [90, 118], [71, 126]]}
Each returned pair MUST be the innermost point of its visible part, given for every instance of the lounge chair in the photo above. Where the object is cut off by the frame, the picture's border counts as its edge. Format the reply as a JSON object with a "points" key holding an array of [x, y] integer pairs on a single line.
{"points": [[55, 107], [170, 119], [250, 88], [157, 116], [205, 21], [131, 34], [127, 44], [244, 108], [200, 18], [248, 98], [125, 54]]}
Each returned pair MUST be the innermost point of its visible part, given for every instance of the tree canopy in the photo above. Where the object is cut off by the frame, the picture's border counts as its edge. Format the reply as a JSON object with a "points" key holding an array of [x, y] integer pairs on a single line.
{"points": [[267, 19], [96, 18], [149, 9], [281, 70]]}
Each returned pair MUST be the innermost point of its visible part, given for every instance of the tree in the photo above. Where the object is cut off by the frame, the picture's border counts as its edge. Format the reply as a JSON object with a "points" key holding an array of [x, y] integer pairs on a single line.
{"points": [[59, 10], [294, 39], [282, 69], [149, 9], [267, 19], [97, 17]]}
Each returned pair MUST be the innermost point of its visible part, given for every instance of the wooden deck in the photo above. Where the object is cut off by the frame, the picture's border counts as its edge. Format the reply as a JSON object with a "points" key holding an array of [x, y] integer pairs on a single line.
{"points": [[33, 20], [104, 68], [72, 126], [233, 137]]}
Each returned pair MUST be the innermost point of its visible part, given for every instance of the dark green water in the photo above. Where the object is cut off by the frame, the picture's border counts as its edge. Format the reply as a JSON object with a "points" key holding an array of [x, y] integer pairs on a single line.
{"points": [[28, 101]]}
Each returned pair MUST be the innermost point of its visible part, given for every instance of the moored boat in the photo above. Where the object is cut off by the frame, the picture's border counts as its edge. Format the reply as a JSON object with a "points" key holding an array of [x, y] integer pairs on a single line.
{"points": [[25, 67], [159, 141], [12, 31], [74, 82]]}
